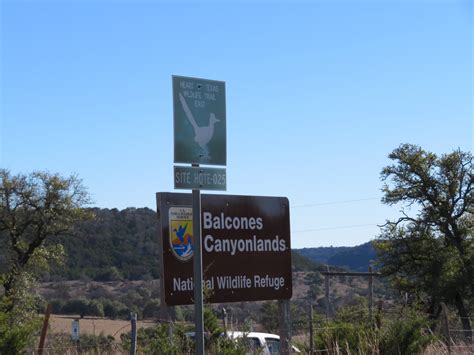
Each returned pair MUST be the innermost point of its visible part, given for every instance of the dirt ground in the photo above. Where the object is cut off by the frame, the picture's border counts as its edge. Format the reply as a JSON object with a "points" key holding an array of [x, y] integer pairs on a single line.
{"points": [[94, 325]]}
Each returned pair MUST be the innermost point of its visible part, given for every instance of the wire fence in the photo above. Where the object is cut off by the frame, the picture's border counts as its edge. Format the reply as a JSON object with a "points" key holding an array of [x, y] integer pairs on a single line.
{"points": [[452, 337]]}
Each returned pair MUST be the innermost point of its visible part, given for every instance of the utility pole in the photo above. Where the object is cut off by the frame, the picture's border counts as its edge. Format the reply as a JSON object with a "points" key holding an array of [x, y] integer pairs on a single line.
{"points": [[285, 327], [369, 274], [326, 292], [133, 343], [311, 331]]}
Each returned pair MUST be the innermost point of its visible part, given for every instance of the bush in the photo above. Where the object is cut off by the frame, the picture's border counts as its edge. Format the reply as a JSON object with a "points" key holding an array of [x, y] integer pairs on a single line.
{"points": [[152, 309], [57, 306], [115, 309], [14, 335], [158, 340], [406, 336], [95, 308], [78, 306], [110, 274]]}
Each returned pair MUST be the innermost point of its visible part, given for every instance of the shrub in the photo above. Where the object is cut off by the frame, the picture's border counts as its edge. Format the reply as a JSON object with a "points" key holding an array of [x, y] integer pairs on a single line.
{"points": [[158, 340], [78, 306], [110, 274], [152, 309], [114, 309], [406, 336]]}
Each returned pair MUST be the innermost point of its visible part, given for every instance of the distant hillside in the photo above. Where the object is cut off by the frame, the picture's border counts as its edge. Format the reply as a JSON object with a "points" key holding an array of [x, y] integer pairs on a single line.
{"points": [[322, 254], [115, 245], [119, 245], [302, 263], [356, 258]]}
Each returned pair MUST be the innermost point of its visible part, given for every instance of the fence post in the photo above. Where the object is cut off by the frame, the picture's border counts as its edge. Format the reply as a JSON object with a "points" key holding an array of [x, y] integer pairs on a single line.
{"points": [[224, 320], [446, 324], [285, 326], [370, 294], [326, 286], [133, 340], [44, 329], [311, 331]]}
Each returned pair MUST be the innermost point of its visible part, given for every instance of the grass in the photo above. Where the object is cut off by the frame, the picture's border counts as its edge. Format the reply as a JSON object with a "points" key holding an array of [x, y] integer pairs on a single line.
{"points": [[94, 326]]}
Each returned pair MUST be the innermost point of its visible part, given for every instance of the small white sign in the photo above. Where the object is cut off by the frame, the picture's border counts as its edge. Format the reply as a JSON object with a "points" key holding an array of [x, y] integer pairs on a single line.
{"points": [[75, 330]]}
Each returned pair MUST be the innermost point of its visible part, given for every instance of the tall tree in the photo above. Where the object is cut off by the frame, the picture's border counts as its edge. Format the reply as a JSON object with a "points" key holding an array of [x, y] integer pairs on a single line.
{"points": [[429, 249], [34, 209]]}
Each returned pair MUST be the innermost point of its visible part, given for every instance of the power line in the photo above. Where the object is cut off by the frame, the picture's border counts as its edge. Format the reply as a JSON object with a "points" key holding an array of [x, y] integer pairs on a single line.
{"points": [[336, 202], [338, 227]]}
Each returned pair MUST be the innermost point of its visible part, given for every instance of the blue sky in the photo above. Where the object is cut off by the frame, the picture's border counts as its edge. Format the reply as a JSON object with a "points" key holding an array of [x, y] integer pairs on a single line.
{"points": [[318, 94]]}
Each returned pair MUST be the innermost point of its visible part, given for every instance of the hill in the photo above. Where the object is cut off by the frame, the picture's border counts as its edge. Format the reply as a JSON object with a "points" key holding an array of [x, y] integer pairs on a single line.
{"points": [[123, 245], [115, 245], [356, 258]]}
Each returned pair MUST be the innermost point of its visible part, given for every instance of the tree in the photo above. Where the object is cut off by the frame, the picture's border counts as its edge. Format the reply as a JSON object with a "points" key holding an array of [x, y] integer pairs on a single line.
{"points": [[429, 250], [34, 209]]}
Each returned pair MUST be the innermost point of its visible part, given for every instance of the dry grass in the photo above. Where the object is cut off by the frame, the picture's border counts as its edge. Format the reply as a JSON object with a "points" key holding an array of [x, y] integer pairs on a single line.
{"points": [[95, 326], [440, 348]]}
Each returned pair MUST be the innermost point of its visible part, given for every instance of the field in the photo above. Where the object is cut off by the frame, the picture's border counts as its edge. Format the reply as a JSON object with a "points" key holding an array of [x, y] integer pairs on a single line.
{"points": [[94, 325]]}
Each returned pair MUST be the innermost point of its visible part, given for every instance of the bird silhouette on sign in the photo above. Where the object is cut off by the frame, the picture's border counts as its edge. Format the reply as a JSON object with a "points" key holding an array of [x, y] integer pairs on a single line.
{"points": [[202, 135], [180, 232]]}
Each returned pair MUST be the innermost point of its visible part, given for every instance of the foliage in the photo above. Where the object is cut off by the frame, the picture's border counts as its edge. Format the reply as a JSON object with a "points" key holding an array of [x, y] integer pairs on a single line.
{"points": [[114, 309], [314, 281], [351, 332], [152, 309], [269, 316], [58, 344], [115, 245], [429, 250], [160, 339], [18, 317], [122, 245], [358, 258], [76, 306], [211, 325], [174, 338], [303, 263], [34, 210], [406, 335], [109, 274]]}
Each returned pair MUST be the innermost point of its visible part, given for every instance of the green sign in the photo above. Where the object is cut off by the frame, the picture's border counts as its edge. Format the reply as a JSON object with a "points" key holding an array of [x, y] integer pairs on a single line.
{"points": [[199, 178], [199, 121]]}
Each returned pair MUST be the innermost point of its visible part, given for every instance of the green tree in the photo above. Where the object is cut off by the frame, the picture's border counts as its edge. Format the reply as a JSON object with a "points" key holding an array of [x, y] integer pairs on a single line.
{"points": [[269, 316], [429, 250], [78, 306], [34, 209]]}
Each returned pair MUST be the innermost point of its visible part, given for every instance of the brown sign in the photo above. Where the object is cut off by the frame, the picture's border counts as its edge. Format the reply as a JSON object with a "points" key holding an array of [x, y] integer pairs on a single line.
{"points": [[245, 246]]}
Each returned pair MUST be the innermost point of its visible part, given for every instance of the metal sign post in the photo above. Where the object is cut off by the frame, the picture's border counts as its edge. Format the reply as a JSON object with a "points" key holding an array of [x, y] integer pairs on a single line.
{"points": [[199, 118], [197, 274]]}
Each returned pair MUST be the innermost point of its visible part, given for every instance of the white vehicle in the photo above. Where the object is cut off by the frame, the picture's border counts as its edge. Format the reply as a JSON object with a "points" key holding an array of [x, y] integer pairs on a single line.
{"points": [[263, 343]]}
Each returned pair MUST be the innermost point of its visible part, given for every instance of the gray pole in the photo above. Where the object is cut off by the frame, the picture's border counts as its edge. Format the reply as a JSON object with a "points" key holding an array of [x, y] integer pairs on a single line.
{"points": [[326, 284], [285, 327], [370, 294], [311, 330], [224, 320], [198, 304], [133, 344]]}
